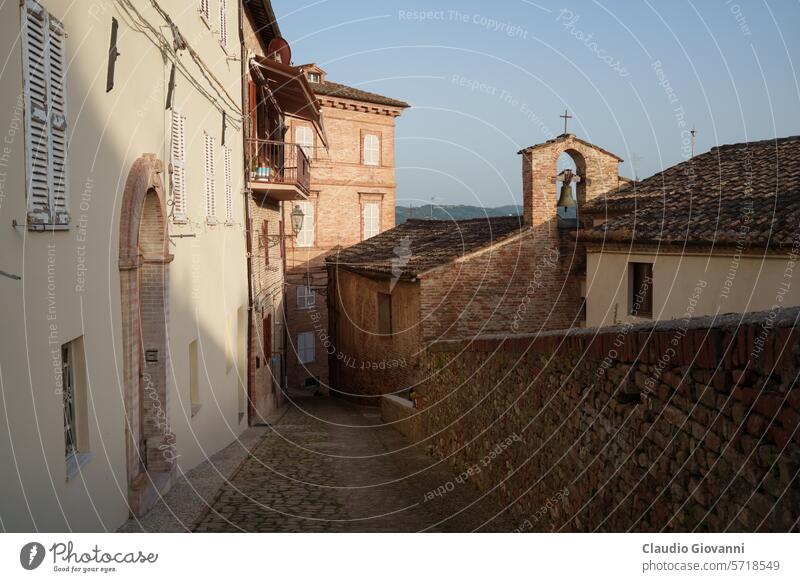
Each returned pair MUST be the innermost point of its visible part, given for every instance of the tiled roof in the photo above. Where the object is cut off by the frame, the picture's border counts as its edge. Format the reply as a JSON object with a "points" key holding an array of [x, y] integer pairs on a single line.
{"points": [[746, 193], [331, 89], [419, 245]]}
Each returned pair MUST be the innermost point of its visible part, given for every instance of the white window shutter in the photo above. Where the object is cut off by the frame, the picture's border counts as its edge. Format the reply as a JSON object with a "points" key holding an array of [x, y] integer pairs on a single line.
{"points": [[57, 85], [305, 238], [178, 161], [372, 219], [210, 172], [204, 7], [372, 150], [223, 23], [44, 80], [304, 138], [228, 184]]}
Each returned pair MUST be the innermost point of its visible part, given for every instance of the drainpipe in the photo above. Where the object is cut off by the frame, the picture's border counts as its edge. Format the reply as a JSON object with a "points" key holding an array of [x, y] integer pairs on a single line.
{"points": [[247, 219]]}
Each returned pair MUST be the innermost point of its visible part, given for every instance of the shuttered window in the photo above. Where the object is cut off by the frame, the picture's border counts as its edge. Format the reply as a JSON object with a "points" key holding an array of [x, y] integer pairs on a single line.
{"points": [[371, 219], [204, 8], [372, 149], [223, 23], [305, 238], [178, 161], [304, 137], [210, 174], [306, 350], [44, 82], [226, 162]]}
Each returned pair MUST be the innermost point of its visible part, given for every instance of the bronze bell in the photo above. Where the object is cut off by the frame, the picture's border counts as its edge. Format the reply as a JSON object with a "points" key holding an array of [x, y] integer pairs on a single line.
{"points": [[565, 200]]}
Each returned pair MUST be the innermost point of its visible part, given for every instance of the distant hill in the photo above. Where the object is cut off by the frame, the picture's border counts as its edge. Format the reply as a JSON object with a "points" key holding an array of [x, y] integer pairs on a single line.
{"points": [[456, 212]]}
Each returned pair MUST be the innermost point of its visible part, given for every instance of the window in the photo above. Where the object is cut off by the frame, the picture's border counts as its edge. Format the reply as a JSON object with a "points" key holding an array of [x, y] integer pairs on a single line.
{"points": [[304, 137], [640, 285], [372, 150], [306, 352], [314, 78], [227, 170], [306, 298], [371, 223], [210, 171], [194, 377], [204, 7], [68, 392], [384, 314], [177, 160], [44, 62], [73, 393], [305, 238], [223, 23]]}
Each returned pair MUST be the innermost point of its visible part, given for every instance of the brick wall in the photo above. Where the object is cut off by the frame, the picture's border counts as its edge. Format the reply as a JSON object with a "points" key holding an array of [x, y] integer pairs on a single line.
{"points": [[368, 363], [267, 280], [339, 183], [687, 425], [515, 287]]}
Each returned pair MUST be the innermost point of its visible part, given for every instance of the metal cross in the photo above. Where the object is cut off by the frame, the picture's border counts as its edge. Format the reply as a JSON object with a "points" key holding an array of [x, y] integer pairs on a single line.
{"points": [[565, 117]]}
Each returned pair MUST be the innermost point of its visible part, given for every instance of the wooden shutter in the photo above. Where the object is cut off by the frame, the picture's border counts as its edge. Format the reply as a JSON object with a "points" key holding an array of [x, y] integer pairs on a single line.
{"points": [[372, 150], [204, 7], [44, 82], [305, 237], [57, 85], [210, 172], [178, 161], [223, 23], [226, 162], [371, 219]]}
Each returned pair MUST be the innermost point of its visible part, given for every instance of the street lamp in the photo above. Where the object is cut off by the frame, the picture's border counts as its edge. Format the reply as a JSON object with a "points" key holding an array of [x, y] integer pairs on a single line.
{"points": [[297, 219]]}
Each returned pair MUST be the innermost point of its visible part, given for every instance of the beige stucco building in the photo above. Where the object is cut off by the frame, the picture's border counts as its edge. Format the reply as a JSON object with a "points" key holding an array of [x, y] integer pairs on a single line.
{"points": [[124, 286], [718, 233]]}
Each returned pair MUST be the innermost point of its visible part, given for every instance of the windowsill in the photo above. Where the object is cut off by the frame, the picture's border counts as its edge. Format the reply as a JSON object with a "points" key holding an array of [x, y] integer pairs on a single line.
{"points": [[230, 223], [195, 409], [211, 221], [75, 463], [180, 219], [47, 227]]}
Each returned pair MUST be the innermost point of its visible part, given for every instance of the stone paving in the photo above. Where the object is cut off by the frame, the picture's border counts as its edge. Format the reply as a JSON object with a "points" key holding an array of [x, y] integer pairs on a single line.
{"points": [[329, 466]]}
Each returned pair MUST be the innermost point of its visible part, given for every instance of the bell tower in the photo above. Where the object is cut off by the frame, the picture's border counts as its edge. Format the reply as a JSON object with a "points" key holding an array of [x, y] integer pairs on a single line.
{"points": [[596, 173]]}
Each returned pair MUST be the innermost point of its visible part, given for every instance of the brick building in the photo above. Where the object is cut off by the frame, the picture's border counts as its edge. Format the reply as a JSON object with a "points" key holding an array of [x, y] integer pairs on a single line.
{"points": [[427, 281], [351, 198], [278, 175]]}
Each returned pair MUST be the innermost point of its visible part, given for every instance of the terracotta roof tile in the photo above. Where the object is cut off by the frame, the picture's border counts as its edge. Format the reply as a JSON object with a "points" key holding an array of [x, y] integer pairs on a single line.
{"points": [[419, 245], [740, 193], [331, 89]]}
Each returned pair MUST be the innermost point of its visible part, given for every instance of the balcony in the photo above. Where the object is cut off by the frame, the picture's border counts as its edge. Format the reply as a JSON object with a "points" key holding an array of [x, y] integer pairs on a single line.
{"points": [[278, 169]]}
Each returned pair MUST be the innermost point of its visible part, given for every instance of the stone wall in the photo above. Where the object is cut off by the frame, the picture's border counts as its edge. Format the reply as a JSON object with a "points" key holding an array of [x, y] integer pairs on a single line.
{"points": [[687, 425]]}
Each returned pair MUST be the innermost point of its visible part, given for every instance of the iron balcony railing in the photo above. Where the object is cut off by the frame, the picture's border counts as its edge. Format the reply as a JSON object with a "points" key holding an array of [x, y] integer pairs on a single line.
{"points": [[278, 162]]}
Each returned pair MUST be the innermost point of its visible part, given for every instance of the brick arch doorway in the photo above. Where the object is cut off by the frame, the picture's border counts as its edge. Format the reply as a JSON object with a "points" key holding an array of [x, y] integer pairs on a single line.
{"points": [[144, 291]]}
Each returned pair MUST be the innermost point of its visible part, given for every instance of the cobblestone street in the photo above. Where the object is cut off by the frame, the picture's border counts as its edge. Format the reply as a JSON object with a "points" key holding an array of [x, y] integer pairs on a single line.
{"points": [[329, 466]]}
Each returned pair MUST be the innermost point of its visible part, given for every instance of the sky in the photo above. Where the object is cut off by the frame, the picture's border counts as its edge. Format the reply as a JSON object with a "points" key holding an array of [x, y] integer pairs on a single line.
{"points": [[486, 79]]}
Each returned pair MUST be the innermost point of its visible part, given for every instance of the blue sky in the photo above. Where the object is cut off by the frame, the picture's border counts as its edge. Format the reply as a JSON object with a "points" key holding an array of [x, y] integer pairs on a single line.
{"points": [[487, 79]]}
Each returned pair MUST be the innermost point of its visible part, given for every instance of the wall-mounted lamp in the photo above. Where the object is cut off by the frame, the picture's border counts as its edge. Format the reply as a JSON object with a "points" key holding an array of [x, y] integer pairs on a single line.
{"points": [[297, 216]]}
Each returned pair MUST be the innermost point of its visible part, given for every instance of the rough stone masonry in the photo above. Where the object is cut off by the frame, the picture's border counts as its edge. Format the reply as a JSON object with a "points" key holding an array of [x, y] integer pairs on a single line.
{"points": [[678, 426]]}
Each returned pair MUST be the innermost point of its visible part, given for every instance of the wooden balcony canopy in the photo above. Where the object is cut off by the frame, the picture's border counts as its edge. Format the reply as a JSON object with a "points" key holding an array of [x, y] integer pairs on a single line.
{"points": [[291, 91]]}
